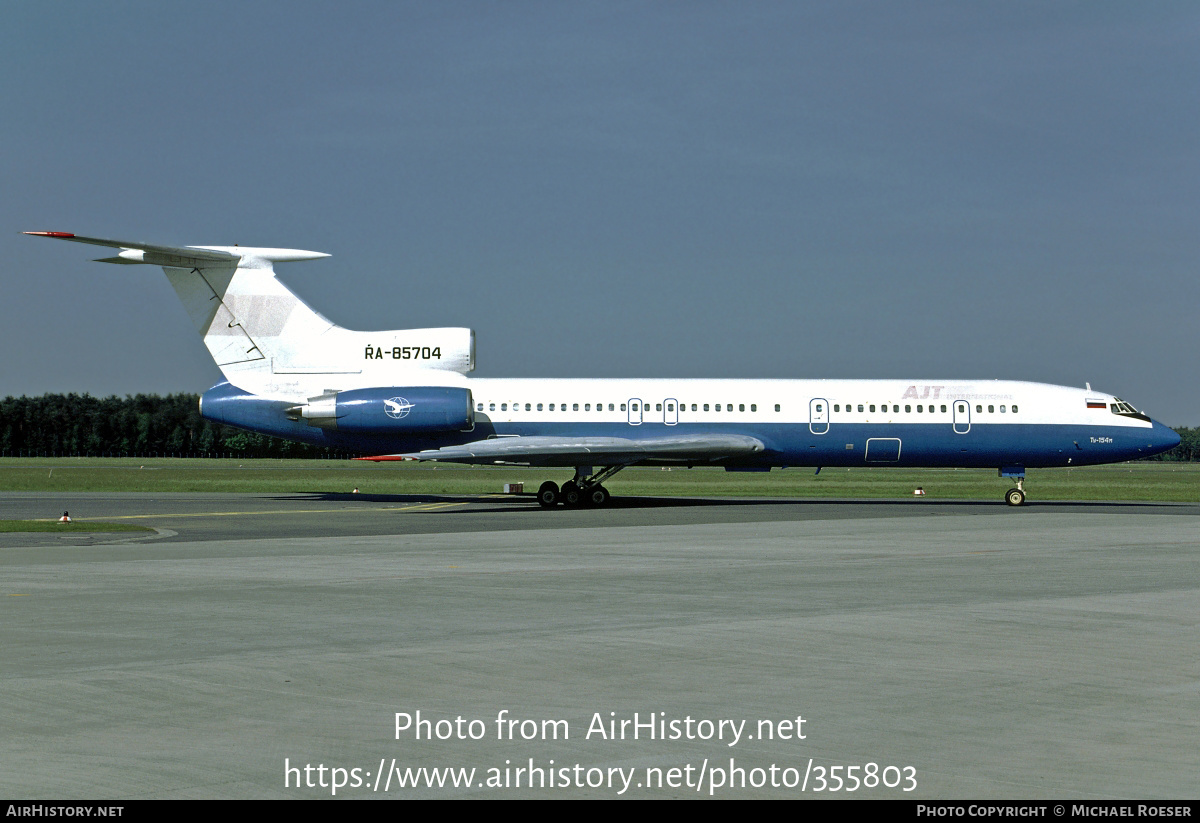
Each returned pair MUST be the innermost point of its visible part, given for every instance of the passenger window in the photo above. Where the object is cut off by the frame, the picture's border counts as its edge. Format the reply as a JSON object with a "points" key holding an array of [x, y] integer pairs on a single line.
{"points": [[503, 407], [658, 406], [622, 407], [741, 406], [539, 406], [776, 407], [907, 408], [728, 407], [943, 409], [753, 407], [491, 406], [574, 407], [670, 407], [991, 409], [872, 409], [896, 409], [693, 407], [919, 409], [716, 407], [979, 409], [1002, 410], [587, 406], [1014, 409], [706, 407], [860, 407], [818, 407], [479, 407], [527, 407]]}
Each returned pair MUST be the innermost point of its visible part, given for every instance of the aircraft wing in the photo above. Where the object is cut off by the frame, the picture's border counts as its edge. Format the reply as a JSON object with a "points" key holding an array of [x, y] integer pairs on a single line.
{"points": [[579, 451]]}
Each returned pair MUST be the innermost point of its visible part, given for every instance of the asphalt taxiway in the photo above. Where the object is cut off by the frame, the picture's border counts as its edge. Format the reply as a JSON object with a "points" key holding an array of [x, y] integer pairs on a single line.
{"points": [[988, 652]]}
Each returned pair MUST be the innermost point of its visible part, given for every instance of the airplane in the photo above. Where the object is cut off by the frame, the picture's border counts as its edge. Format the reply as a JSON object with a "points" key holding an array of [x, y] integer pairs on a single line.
{"points": [[405, 395]]}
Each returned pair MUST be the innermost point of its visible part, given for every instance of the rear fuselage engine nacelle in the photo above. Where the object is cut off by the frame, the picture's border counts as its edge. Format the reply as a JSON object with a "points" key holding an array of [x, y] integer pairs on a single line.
{"points": [[396, 410]]}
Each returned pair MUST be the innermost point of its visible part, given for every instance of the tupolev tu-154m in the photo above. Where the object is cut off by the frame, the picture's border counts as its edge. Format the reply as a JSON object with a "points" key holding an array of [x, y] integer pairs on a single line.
{"points": [[406, 395]]}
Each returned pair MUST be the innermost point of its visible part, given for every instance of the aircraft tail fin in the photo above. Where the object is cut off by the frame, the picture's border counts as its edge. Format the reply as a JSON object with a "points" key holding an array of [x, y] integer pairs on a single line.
{"points": [[256, 328]]}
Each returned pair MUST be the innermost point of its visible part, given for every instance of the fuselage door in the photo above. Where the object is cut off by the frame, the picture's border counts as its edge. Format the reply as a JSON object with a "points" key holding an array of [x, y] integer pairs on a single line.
{"points": [[670, 411], [635, 411], [818, 415], [962, 417]]}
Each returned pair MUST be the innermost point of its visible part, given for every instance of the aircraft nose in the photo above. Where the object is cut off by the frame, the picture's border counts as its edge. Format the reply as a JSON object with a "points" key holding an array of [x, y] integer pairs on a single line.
{"points": [[1162, 438]]}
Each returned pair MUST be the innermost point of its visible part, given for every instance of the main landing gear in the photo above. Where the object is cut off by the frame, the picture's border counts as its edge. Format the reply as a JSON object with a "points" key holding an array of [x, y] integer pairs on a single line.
{"points": [[583, 489]]}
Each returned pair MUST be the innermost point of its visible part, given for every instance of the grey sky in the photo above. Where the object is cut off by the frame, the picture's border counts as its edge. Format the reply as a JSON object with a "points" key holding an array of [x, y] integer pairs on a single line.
{"points": [[920, 190]]}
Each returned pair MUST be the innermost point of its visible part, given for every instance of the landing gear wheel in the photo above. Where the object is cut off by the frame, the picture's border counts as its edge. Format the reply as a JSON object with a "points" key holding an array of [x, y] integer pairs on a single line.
{"points": [[548, 495], [570, 494], [1014, 497], [597, 496]]}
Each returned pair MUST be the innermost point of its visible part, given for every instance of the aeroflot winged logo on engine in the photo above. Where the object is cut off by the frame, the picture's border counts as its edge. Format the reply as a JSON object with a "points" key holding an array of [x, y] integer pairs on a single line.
{"points": [[397, 407]]}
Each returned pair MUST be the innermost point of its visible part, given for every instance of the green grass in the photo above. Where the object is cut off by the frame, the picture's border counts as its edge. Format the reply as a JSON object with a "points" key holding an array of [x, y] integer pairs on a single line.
{"points": [[1178, 482], [74, 526]]}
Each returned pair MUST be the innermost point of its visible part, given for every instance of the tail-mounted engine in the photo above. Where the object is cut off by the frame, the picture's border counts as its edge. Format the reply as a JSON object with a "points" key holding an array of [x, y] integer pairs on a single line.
{"points": [[399, 410]]}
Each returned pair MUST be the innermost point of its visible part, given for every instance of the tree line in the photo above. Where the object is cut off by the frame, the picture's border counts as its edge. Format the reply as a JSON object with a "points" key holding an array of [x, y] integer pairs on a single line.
{"points": [[141, 425], [148, 425]]}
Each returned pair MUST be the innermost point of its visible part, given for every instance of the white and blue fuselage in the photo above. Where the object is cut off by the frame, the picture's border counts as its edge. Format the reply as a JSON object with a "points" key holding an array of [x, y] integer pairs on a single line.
{"points": [[837, 422], [995, 424]]}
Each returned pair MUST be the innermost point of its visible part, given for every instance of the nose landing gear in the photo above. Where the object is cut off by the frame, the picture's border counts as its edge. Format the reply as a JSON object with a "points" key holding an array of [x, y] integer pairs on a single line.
{"points": [[1014, 497]]}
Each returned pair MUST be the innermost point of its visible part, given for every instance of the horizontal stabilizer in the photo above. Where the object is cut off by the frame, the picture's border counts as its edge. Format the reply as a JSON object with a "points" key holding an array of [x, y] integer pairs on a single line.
{"points": [[120, 261], [184, 256]]}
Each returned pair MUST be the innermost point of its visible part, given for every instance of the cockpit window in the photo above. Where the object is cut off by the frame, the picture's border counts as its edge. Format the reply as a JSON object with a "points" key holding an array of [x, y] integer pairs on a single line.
{"points": [[1124, 409]]}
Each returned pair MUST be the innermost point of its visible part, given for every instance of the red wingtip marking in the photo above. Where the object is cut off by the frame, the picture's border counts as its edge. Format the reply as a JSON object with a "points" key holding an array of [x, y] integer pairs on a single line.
{"points": [[49, 233], [381, 458]]}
